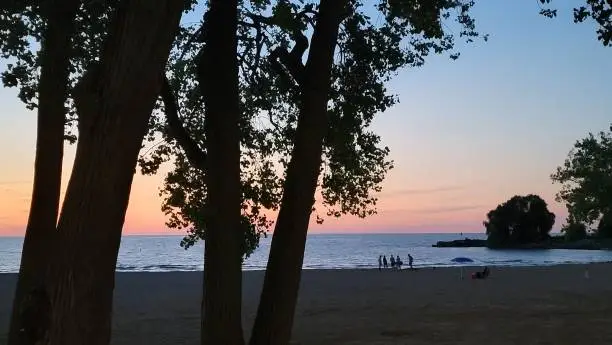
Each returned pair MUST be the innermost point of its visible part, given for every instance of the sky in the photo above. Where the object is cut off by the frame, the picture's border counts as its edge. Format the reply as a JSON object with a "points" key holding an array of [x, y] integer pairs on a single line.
{"points": [[466, 136]]}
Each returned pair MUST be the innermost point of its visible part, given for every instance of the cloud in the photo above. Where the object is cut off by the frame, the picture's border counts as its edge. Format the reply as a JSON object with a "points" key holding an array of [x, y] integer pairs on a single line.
{"points": [[14, 191], [417, 191], [12, 183], [437, 210], [437, 227], [450, 209], [5, 222]]}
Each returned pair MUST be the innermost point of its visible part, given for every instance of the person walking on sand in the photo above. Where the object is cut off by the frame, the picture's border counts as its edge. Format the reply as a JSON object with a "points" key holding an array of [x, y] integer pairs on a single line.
{"points": [[380, 262], [385, 264], [398, 262], [410, 259]]}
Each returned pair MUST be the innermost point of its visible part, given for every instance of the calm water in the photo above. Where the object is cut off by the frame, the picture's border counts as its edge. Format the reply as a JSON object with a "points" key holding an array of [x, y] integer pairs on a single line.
{"points": [[163, 253]]}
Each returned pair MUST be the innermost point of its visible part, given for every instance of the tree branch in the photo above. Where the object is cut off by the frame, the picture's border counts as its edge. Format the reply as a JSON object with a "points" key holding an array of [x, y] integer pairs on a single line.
{"points": [[195, 37], [195, 155], [291, 61]]}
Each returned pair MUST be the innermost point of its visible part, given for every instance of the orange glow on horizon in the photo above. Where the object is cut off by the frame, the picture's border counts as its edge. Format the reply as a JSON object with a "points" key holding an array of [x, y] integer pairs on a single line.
{"points": [[434, 209]]}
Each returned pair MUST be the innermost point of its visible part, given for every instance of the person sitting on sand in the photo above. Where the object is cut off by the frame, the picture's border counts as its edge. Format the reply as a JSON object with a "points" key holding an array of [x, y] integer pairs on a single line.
{"points": [[481, 275], [398, 262], [385, 261], [392, 258]]}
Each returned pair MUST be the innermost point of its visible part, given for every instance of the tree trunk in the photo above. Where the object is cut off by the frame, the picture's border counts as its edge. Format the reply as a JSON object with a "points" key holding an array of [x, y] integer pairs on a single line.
{"points": [[218, 78], [274, 320], [114, 102], [52, 93]]}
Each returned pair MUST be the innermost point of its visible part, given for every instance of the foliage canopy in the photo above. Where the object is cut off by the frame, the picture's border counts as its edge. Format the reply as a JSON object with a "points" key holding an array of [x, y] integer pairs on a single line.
{"points": [[586, 180], [273, 37], [598, 10], [518, 221], [574, 231]]}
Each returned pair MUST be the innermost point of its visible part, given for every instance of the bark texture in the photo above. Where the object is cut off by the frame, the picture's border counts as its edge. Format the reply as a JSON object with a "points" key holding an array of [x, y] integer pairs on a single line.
{"points": [[218, 80], [114, 101], [28, 320], [274, 320]]}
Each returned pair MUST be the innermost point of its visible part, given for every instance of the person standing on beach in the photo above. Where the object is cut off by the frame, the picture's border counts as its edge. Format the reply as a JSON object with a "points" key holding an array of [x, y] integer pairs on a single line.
{"points": [[385, 261], [380, 262], [398, 262], [410, 259], [392, 259]]}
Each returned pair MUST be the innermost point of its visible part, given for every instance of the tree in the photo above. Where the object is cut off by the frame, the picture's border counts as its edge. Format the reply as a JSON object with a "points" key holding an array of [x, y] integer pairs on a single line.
{"points": [[574, 231], [586, 179], [276, 310], [55, 53], [598, 10], [217, 75], [604, 228], [312, 113], [518, 221], [192, 174], [113, 100]]}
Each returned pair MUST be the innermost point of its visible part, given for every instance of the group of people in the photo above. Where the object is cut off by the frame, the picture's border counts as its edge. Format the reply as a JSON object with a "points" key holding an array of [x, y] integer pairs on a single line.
{"points": [[393, 262]]}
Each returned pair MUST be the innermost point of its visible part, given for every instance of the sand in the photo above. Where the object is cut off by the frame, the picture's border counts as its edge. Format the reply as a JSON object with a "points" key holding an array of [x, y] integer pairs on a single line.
{"points": [[536, 305]]}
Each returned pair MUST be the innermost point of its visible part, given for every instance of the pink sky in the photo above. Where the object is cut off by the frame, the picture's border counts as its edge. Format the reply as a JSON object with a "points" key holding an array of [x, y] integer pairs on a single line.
{"points": [[426, 206]]}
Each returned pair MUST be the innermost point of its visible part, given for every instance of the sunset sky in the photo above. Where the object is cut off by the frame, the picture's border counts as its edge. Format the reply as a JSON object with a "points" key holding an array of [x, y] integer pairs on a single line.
{"points": [[466, 136]]}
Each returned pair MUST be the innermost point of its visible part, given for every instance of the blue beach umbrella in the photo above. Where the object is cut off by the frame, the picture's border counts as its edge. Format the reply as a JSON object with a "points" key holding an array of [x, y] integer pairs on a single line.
{"points": [[462, 260]]}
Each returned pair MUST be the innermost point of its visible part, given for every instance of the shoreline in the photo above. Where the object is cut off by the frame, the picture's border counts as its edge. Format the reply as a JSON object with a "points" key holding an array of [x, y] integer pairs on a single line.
{"points": [[375, 268], [474, 266]]}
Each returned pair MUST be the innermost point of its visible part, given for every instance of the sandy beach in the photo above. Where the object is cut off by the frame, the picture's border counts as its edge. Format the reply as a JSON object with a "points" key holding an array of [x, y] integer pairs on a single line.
{"points": [[535, 305]]}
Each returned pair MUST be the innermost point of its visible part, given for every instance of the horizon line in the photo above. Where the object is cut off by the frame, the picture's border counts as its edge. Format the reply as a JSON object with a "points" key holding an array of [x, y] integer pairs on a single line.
{"points": [[311, 233], [343, 233]]}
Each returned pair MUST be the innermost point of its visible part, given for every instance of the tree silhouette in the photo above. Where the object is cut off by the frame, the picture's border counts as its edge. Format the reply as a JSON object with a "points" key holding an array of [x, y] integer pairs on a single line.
{"points": [[598, 10], [574, 230], [69, 263], [520, 220], [586, 181]]}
